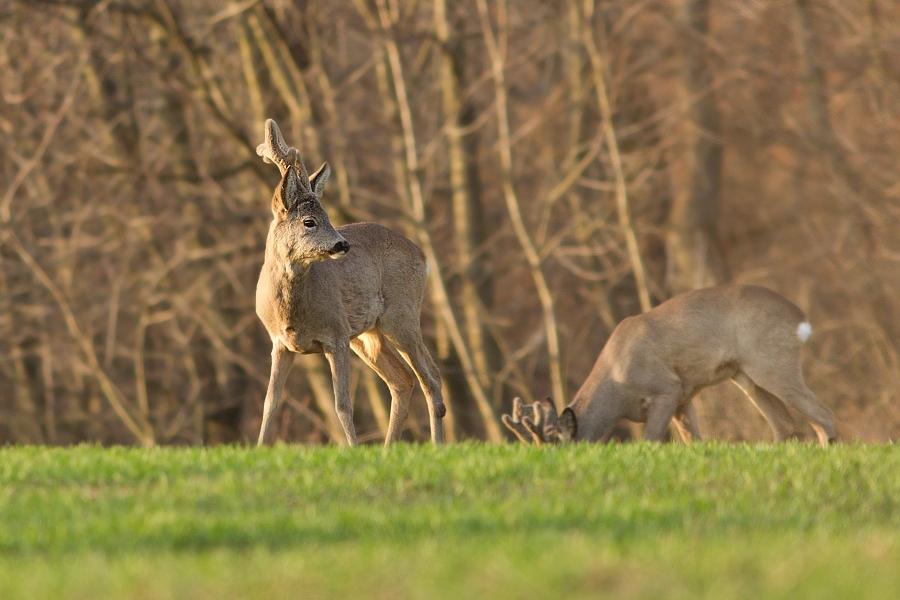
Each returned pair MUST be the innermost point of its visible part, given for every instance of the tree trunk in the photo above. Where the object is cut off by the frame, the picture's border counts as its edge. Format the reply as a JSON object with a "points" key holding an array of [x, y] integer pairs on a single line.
{"points": [[694, 258], [476, 278]]}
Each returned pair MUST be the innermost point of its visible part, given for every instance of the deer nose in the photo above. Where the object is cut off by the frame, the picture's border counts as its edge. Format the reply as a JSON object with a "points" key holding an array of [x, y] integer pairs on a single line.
{"points": [[341, 247]]}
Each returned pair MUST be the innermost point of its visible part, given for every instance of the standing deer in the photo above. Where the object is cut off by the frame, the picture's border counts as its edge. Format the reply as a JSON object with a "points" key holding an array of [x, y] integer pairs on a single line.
{"points": [[655, 363], [326, 290]]}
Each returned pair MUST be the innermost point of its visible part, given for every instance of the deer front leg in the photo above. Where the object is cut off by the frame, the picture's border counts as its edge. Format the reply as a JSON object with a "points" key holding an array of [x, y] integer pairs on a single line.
{"points": [[660, 411], [339, 359], [282, 359]]}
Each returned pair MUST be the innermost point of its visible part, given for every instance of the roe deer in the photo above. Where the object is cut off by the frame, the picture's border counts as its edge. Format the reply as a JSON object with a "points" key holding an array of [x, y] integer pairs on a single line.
{"points": [[654, 364], [368, 299]]}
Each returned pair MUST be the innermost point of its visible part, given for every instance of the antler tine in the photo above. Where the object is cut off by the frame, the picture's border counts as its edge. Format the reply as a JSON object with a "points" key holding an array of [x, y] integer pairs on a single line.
{"points": [[544, 425], [275, 150], [540, 427], [518, 424], [517, 408], [521, 432], [304, 175], [534, 428]]}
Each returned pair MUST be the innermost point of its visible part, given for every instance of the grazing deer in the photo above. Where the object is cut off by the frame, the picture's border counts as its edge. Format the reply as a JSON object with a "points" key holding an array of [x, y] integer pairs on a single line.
{"points": [[656, 362], [326, 290]]}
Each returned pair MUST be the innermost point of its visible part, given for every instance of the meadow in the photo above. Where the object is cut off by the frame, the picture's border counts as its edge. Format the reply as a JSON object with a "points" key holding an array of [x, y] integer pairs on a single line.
{"points": [[470, 520]]}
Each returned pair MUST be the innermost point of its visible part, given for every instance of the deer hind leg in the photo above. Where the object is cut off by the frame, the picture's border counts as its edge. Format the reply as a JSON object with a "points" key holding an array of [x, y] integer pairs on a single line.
{"points": [[282, 359], [776, 413], [383, 359], [686, 423], [409, 344], [793, 391]]}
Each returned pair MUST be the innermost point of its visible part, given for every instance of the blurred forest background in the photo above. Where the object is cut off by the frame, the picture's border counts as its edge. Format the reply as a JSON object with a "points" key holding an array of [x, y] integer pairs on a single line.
{"points": [[563, 163]]}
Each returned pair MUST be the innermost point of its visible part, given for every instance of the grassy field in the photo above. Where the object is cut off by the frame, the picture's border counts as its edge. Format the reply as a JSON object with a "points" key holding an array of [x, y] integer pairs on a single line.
{"points": [[463, 521]]}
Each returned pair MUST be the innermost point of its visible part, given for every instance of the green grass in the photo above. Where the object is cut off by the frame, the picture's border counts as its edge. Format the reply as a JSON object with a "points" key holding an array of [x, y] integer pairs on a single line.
{"points": [[463, 521]]}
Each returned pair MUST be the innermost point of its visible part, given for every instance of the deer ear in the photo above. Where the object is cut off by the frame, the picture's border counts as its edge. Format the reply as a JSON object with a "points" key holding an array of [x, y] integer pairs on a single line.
{"points": [[318, 180], [290, 189], [568, 425]]}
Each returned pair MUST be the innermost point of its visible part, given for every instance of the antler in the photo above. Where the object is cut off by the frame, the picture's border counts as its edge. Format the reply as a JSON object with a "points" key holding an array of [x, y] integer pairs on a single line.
{"points": [[275, 150], [539, 427]]}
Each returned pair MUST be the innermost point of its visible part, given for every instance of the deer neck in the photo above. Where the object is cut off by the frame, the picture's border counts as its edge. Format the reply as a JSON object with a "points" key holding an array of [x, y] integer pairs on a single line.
{"points": [[294, 272], [294, 300], [599, 404], [595, 391], [280, 267]]}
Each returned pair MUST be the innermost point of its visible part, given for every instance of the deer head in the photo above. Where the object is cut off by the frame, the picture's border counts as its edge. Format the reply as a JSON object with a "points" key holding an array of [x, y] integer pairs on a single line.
{"points": [[301, 231], [540, 424]]}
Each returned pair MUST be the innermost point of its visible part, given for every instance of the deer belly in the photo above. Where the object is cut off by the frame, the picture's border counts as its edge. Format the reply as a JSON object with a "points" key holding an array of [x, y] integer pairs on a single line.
{"points": [[694, 380], [362, 318]]}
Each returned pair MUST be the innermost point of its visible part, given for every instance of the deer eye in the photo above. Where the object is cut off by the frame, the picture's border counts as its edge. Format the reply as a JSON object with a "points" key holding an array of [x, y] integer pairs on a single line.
{"points": [[309, 223]]}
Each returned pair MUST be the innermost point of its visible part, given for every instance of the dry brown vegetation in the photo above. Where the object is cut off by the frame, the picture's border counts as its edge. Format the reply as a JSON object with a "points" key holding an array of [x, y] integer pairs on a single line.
{"points": [[541, 153]]}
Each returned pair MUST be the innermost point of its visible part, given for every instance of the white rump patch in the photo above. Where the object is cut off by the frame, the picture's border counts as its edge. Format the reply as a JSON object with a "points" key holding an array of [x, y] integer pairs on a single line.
{"points": [[804, 330]]}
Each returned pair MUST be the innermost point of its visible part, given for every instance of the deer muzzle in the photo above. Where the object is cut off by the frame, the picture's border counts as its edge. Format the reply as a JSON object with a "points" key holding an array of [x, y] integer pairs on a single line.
{"points": [[339, 249]]}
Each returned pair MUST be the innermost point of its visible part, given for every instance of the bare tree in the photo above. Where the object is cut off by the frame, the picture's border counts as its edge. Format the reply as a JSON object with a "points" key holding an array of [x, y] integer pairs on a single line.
{"points": [[562, 165]]}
